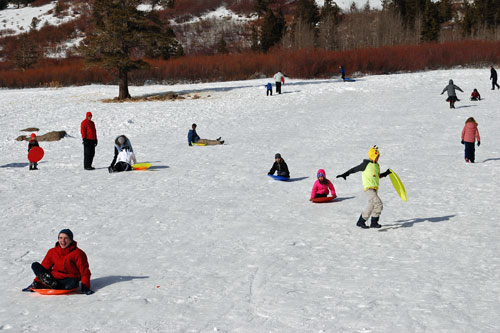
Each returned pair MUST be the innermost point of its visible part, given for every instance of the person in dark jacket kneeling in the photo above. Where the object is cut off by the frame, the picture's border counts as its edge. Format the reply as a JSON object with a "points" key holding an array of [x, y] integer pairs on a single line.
{"points": [[280, 166], [63, 267]]}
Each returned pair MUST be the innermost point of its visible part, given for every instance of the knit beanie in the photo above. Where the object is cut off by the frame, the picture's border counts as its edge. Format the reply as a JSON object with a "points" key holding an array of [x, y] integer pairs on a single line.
{"points": [[277, 156], [67, 232]]}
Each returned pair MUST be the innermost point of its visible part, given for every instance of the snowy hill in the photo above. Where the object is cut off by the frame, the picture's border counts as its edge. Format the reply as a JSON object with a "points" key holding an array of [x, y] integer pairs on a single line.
{"points": [[18, 20], [205, 241]]}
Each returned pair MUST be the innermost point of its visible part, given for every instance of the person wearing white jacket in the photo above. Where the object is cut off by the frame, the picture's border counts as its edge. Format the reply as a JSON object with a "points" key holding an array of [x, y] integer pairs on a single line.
{"points": [[279, 78], [125, 160]]}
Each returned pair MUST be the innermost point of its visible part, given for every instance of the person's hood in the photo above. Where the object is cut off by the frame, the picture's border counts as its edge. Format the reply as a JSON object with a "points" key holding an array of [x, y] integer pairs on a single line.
{"points": [[126, 139], [321, 171], [88, 114], [471, 125], [450, 82]]}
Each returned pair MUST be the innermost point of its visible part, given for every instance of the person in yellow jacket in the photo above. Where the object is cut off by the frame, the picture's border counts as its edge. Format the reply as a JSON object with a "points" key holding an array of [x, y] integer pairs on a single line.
{"points": [[371, 178]]}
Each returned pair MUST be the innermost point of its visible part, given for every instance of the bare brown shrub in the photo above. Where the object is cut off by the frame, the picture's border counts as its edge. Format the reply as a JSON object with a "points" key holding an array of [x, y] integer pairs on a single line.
{"points": [[305, 63]]}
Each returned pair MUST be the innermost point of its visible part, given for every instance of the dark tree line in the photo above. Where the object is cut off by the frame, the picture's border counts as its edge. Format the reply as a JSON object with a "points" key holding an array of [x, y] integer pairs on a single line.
{"points": [[398, 22]]}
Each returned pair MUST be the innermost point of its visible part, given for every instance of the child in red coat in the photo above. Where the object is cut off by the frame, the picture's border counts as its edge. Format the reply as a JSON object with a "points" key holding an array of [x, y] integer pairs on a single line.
{"points": [[33, 143], [475, 96]]}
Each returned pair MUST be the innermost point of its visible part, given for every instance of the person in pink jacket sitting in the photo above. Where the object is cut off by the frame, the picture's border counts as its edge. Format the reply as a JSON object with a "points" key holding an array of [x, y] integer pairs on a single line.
{"points": [[322, 186], [469, 135]]}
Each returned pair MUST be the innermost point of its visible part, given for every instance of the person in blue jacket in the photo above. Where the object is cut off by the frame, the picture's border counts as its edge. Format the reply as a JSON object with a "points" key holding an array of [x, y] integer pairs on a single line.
{"points": [[193, 137], [342, 72], [269, 87]]}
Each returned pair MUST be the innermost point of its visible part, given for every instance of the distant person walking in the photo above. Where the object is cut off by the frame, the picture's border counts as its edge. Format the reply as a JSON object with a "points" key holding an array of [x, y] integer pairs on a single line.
{"points": [[452, 95], [89, 136], [279, 78], [494, 78], [342, 72]]}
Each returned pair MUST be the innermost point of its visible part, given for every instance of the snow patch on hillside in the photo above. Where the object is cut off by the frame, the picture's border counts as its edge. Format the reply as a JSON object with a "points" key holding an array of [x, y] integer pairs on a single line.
{"points": [[14, 21], [346, 4], [221, 13]]}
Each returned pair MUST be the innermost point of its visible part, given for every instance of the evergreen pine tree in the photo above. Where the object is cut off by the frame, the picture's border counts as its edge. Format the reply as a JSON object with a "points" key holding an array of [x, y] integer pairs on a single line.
{"points": [[122, 30], [329, 19], [307, 11], [445, 10], [430, 23], [304, 28], [222, 46], [3, 4], [271, 31], [261, 7], [254, 36], [26, 53]]}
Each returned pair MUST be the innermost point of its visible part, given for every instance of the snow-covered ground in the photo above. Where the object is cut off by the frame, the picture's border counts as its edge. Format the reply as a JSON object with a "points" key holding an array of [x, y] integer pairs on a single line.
{"points": [[205, 241]]}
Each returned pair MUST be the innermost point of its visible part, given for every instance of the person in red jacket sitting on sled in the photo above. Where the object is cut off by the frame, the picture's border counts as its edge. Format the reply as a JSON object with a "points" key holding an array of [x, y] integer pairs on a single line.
{"points": [[63, 267]]}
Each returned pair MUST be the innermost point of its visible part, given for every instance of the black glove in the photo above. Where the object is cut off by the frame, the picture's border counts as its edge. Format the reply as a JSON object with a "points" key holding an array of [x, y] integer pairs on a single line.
{"points": [[87, 291], [28, 289], [84, 141], [386, 173], [462, 142], [342, 176], [95, 142], [269, 173], [478, 143]]}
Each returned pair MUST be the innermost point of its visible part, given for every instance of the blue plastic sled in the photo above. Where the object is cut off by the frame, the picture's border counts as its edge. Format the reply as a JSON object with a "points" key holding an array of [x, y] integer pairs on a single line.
{"points": [[349, 79], [280, 178]]}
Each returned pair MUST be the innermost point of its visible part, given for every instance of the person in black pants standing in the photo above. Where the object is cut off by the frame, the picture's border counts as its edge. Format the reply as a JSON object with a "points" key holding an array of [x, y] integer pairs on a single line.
{"points": [[89, 136], [493, 78]]}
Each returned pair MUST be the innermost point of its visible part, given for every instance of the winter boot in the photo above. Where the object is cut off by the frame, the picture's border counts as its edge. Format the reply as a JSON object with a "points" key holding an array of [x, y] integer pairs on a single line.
{"points": [[218, 139], [221, 142], [361, 222], [48, 280], [466, 160], [374, 223]]}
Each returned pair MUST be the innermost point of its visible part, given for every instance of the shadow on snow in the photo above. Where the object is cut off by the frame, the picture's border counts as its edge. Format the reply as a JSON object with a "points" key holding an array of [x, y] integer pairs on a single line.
{"points": [[491, 159], [15, 165], [342, 199], [411, 222], [224, 89], [105, 281]]}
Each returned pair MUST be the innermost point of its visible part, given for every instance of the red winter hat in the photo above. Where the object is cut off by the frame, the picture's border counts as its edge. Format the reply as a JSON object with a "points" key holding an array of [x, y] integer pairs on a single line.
{"points": [[33, 135], [88, 114]]}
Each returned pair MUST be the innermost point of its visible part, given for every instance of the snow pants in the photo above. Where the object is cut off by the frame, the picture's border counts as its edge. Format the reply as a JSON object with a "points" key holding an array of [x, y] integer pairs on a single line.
{"points": [[278, 87], [494, 83], [121, 166], [375, 206], [269, 91], [67, 283], [88, 153], [209, 142], [470, 151]]}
